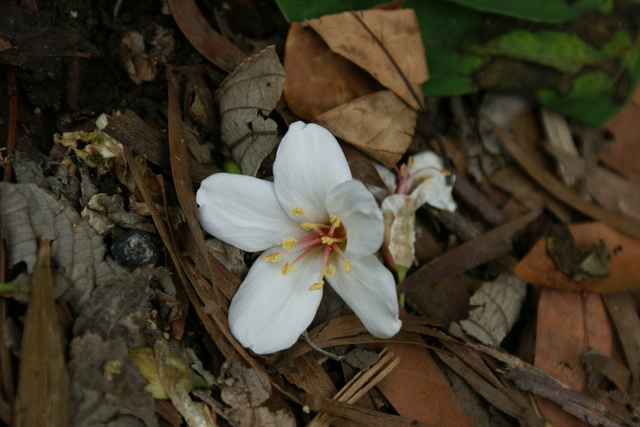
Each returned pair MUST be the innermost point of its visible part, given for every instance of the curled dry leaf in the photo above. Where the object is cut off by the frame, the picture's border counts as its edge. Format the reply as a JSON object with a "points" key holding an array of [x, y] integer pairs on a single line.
{"points": [[495, 309], [385, 43], [380, 124], [538, 268], [29, 213], [245, 100], [317, 78]]}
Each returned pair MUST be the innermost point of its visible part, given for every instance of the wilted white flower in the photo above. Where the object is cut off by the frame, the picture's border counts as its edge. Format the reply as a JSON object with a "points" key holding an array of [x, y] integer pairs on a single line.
{"points": [[314, 222], [421, 181]]}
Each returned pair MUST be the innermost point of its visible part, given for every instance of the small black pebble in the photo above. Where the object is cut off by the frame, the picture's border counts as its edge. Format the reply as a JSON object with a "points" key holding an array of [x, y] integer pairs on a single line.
{"points": [[135, 249]]}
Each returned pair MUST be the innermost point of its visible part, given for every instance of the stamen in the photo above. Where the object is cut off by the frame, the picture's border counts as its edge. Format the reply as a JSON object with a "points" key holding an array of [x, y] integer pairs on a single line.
{"points": [[289, 243], [317, 286], [287, 268], [308, 226], [335, 221], [327, 240], [347, 266], [329, 270], [273, 257], [297, 211]]}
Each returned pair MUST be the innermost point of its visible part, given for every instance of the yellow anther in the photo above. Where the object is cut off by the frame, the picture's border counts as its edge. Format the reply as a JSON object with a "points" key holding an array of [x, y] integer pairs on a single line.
{"points": [[329, 270], [287, 268], [327, 240], [411, 161], [445, 172], [308, 226], [289, 243], [317, 286], [335, 221], [273, 257], [297, 211], [347, 266]]}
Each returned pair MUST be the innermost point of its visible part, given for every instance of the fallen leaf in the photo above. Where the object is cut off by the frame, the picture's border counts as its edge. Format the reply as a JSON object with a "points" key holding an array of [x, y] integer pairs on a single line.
{"points": [[28, 212], [418, 390], [538, 268], [624, 156], [380, 124], [568, 324], [245, 99], [385, 43], [495, 307], [43, 386], [317, 78]]}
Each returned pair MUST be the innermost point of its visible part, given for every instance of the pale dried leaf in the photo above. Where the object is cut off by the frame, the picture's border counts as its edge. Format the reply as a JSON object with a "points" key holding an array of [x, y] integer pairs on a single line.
{"points": [[495, 308], [382, 42], [245, 100], [28, 213], [380, 124]]}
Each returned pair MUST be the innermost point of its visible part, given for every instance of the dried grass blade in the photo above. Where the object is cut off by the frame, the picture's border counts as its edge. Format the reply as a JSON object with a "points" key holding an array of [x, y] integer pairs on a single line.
{"points": [[43, 383]]}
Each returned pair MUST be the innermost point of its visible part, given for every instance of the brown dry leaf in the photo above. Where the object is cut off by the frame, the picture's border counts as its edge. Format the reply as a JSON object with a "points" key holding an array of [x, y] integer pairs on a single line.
{"points": [[568, 324], [538, 268], [418, 390], [28, 213], [318, 79], [42, 396], [380, 124], [385, 43], [245, 99], [610, 190], [495, 307], [624, 156], [205, 39]]}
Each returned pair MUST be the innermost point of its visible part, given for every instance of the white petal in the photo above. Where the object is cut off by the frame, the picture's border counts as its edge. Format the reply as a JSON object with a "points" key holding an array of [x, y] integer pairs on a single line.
{"points": [[425, 162], [436, 192], [244, 212], [309, 163], [370, 291], [388, 177], [360, 215], [270, 310]]}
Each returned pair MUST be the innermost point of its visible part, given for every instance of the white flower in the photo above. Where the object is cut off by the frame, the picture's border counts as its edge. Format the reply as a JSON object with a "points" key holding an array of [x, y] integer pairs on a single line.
{"points": [[314, 222], [422, 181]]}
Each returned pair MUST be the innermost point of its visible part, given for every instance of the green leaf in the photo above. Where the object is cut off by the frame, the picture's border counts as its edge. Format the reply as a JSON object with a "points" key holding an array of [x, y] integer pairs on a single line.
{"points": [[549, 11]]}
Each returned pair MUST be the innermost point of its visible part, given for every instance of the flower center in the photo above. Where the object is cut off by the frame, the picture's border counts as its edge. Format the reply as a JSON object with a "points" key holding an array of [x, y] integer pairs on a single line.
{"points": [[407, 182], [328, 238]]}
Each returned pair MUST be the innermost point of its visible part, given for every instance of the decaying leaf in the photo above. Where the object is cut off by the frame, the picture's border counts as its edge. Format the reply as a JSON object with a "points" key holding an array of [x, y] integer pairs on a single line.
{"points": [[106, 211], [106, 384], [245, 99], [245, 390], [385, 43], [317, 78], [495, 307], [42, 396], [78, 252], [380, 124], [538, 268], [169, 375], [579, 264]]}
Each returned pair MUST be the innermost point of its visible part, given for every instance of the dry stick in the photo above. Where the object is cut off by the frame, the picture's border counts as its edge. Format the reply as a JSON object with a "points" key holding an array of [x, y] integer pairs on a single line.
{"points": [[403, 76], [360, 384], [620, 222], [487, 247]]}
